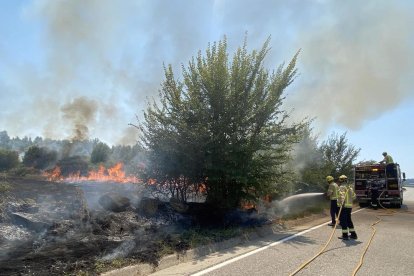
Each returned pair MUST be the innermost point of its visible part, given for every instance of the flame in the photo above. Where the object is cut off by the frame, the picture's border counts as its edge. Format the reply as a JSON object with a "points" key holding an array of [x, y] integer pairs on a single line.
{"points": [[113, 174], [202, 188], [246, 205], [54, 175]]}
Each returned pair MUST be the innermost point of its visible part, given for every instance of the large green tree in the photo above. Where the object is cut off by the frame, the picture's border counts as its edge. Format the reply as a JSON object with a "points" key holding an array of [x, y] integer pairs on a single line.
{"points": [[221, 126]]}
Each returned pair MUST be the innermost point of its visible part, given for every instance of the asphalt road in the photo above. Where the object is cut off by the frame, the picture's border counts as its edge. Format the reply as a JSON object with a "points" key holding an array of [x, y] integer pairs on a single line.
{"points": [[391, 251]]}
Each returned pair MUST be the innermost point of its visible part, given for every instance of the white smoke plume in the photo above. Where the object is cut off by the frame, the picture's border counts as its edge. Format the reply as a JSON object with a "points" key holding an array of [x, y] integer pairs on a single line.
{"points": [[356, 60], [356, 63]]}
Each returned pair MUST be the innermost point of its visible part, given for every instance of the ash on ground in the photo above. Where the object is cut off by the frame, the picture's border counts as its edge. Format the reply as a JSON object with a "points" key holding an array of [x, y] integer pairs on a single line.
{"points": [[49, 228]]}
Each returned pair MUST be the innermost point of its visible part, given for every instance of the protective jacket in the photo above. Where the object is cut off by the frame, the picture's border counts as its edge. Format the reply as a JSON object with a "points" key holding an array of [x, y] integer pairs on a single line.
{"points": [[346, 195], [333, 191], [388, 159]]}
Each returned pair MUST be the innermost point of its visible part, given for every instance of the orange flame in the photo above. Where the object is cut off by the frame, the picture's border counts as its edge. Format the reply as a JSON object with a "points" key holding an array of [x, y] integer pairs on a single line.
{"points": [[113, 174], [54, 175], [248, 205]]}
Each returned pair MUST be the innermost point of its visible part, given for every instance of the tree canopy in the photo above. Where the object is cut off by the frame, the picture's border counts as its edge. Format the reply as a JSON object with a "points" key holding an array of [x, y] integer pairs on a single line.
{"points": [[8, 159], [221, 126], [314, 161], [39, 157], [339, 155], [100, 153]]}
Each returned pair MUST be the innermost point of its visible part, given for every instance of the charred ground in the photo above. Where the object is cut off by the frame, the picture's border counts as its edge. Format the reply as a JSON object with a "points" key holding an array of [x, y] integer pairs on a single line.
{"points": [[69, 229]]}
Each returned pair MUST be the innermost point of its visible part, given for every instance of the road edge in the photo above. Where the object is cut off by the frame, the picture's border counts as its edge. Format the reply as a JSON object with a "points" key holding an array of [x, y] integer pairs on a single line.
{"points": [[256, 234]]}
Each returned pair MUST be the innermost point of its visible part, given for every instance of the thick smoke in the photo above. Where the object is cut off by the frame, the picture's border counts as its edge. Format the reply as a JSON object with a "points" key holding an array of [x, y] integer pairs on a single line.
{"points": [[355, 64], [80, 113]]}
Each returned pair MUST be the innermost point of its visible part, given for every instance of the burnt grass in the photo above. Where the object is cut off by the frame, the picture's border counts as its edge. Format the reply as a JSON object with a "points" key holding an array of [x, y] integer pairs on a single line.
{"points": [[49, 228]]}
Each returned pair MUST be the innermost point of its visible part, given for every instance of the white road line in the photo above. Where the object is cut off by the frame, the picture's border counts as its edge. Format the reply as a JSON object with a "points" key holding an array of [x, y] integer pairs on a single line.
{"points": [[212, 268]]}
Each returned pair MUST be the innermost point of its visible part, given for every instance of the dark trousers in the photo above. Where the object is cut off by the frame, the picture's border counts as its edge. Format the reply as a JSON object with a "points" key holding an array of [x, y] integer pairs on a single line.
{"points": [[346, 221], [374, 197], [334, 210]]}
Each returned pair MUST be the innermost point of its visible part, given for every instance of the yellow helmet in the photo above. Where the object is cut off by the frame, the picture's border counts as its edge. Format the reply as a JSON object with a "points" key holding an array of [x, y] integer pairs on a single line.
{"points": [[329, 178], [343, 177]]}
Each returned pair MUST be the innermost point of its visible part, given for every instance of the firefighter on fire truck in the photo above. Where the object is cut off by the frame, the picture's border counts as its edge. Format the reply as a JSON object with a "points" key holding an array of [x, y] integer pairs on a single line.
{"points": [[387, 159], [346, 195]]}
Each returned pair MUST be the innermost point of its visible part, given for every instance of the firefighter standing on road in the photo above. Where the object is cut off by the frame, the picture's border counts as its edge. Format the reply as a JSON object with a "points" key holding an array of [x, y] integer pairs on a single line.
{"points": [[346, 195], [332, 193]]}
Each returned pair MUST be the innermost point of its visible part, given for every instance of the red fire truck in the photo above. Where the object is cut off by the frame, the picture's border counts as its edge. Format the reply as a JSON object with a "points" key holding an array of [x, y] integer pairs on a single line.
{"points": [[382, 180]]}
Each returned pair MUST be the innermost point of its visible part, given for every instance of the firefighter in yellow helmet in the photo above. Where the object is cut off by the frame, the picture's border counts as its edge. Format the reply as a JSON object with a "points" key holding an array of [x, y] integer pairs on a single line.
{"points": [[346, 195], [332, 193]]}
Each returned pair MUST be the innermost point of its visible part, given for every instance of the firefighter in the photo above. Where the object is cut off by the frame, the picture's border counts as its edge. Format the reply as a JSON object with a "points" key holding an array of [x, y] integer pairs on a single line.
{"points": [[332, 193], [387, 159], [346, 195], [374, 187]]}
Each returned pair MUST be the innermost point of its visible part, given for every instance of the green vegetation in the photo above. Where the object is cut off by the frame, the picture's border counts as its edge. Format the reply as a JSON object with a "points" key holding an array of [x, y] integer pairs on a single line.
{"points": [[339, 155], [39, 157], [23, 171], [41, 154], [102, 266], [100, 153], [73, 164], [203, 236], [4, 186], [222, 126], [8, 159], [315, 160]]}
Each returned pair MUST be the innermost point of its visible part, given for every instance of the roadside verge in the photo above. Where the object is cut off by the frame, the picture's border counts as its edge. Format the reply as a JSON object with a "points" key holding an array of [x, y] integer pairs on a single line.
{"points": [[256, 238]]}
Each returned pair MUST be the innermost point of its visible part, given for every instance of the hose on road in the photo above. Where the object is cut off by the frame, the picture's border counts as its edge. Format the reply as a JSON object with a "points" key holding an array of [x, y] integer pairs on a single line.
{"points": [[372, 226], [374, 231], [323, 248]]}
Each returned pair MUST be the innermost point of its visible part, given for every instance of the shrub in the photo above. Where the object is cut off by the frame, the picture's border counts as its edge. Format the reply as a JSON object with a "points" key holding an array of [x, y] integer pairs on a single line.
{"points": [[8, 159]]}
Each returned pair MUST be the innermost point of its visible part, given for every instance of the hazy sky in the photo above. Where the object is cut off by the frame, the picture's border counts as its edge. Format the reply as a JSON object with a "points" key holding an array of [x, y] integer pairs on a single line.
{"points": [[86, 68]]}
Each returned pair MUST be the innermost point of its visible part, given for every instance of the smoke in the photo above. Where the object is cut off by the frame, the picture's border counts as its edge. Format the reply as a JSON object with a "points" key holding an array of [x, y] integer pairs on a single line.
{"points": [[80, 113], [293, 205], [121, 251], [356, 63], [356, 60], [306, 151]]}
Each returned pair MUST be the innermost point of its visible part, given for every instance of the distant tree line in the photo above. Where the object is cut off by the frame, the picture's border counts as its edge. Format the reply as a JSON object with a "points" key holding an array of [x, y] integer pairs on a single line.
{"points": [[42, 154]]}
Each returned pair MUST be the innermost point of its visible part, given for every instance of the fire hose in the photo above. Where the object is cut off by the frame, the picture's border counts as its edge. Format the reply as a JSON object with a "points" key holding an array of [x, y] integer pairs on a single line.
{"points": [[326, 244], [372, 226], [388, 213]]}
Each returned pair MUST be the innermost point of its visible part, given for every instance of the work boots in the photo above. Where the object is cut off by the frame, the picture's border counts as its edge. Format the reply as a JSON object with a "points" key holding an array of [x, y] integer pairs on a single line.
{"points": [[344, 237], [354, 236]]}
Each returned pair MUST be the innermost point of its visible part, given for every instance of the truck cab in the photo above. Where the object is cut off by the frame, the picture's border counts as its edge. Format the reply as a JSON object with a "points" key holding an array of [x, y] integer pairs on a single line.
{"points": [[385, 180]]}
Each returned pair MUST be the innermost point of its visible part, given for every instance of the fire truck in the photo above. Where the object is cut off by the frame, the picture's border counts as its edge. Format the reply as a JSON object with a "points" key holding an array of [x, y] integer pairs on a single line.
{"points": [[380, 180]]}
